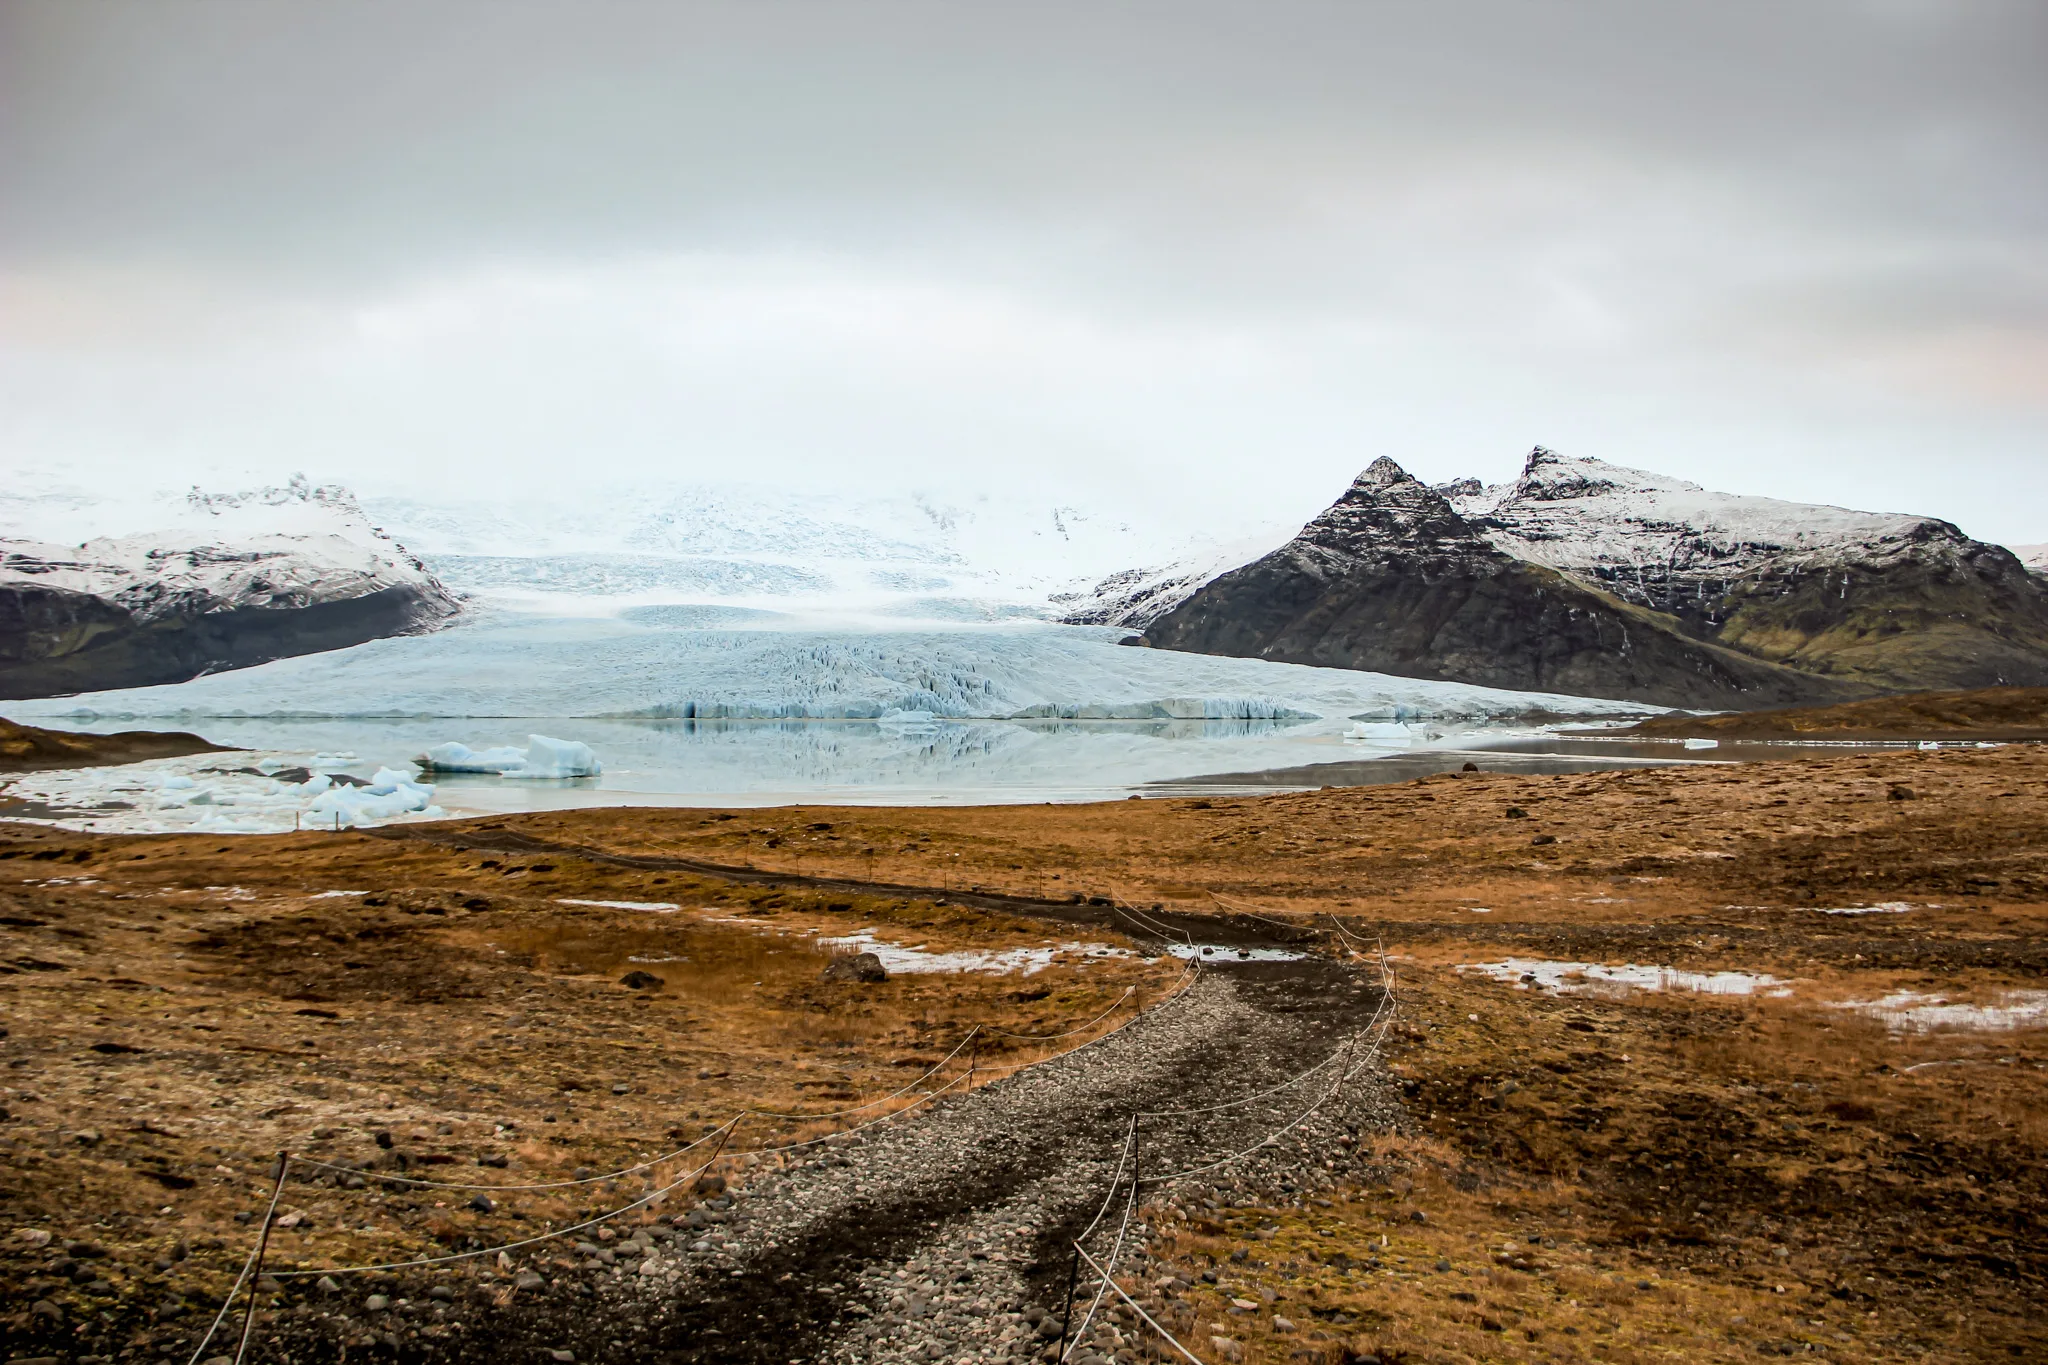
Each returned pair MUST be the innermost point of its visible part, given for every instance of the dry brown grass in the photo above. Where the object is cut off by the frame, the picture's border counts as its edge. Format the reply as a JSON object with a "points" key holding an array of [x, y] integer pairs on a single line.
{"points": [[174, 1021]]}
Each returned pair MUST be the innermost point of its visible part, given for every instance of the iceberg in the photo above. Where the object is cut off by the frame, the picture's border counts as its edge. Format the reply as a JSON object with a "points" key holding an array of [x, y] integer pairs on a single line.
{"points": [[557, 758], [543, 758], [460, 758]]}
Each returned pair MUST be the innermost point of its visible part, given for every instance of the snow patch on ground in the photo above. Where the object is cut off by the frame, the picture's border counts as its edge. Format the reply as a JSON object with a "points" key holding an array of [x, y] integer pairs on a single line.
{"points": [[1592, 978], [651, 907], [1223, 952], [1919, 1012], [914, 959]]}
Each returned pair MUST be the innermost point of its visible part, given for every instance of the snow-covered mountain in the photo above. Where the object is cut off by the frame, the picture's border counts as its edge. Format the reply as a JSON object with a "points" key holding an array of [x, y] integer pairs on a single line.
{"points": [[218, 581], [1674, 546], [1397, 578], [2035, 557]]}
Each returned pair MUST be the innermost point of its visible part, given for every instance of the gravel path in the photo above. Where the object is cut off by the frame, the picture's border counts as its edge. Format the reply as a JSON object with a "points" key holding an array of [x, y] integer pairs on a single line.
{"points": [[948, 1237]]}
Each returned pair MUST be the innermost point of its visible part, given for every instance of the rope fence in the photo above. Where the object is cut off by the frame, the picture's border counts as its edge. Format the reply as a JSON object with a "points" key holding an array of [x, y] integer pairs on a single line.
{"points": [[1128, 1158], [1357, 1052]]}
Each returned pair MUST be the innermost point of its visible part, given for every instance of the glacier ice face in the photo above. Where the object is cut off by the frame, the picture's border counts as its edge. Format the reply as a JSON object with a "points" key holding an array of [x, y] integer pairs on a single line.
{"points": [[512, 664]]}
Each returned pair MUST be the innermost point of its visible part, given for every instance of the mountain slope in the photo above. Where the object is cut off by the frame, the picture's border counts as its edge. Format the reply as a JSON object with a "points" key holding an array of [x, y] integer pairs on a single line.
{"points": [[1895, 602], [226, 589], [1392, 578]]}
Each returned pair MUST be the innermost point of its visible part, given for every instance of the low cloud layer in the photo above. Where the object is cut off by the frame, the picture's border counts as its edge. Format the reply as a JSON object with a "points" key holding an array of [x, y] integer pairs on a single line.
{"points": [[1207, 259]]}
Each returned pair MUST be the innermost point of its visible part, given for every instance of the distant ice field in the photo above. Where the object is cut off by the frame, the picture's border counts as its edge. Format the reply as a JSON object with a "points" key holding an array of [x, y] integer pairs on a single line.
{"points": [[755, 716]]}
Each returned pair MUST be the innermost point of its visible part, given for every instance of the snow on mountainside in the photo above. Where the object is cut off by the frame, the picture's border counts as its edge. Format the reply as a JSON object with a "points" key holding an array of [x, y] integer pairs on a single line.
{"points": [[1668, 543], [1400, 578], [2035, 557], [1135, 598], [275, 547], [216, 581]]}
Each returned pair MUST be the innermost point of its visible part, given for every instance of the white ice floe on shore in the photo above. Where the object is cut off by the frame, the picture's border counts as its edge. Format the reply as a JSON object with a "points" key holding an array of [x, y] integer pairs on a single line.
{"points": [[217, 794], [543, 758], [1592, 978]]}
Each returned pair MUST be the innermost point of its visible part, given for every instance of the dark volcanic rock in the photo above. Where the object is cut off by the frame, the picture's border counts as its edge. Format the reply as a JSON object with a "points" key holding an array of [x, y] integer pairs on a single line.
{"points": [[856, 967], [1391, 578], [54, 641], [25, 747]]}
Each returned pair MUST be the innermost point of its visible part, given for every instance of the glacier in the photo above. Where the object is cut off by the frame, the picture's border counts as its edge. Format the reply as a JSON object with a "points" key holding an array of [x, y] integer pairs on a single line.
{"points": [[511, 664]]}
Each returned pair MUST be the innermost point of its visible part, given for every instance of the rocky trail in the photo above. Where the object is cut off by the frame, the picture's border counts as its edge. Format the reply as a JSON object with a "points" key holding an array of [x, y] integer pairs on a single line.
{"points": [[948, 1235]]}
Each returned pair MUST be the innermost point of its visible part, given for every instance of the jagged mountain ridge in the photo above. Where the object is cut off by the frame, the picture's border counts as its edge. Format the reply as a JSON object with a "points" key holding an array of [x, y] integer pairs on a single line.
{"points": [[1391, 578], [241, 579], [1583, 576]]}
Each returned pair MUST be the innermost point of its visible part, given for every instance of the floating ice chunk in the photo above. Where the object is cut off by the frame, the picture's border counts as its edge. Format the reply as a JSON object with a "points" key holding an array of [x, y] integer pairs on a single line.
{"points": [[544, 758], [1384, 732], [390, 794], [557, 758], [335, 760], [460, 758], [1703, 744]]}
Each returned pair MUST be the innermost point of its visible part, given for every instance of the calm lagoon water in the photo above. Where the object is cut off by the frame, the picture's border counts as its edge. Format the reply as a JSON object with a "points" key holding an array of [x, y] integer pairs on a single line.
{"points": [[780, 762]]}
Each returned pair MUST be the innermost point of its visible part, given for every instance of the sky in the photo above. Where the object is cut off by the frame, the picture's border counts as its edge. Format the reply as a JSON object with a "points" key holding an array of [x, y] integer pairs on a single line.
{"points": [[1198, 262]]}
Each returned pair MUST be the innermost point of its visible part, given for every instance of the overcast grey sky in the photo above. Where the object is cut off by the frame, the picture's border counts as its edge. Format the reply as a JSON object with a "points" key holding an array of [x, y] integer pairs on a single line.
{"points": [[1218, 256]]}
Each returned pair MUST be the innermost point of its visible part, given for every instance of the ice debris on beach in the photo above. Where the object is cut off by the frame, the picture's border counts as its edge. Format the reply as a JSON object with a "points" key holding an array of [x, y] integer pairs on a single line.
{"points": [[542, 758], [208, 796]]}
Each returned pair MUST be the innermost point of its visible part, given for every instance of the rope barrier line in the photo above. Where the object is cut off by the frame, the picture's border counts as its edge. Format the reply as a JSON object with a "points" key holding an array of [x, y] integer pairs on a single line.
{"points": [[1129, 991], [861, 1108], [284, 1162], [724, 1132], [645, 1199], [1130, 1138], [1116, 1254], [1375, 1030], [1252, 914], [651, 1162], [1150, 1321], [255, 1253]]}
